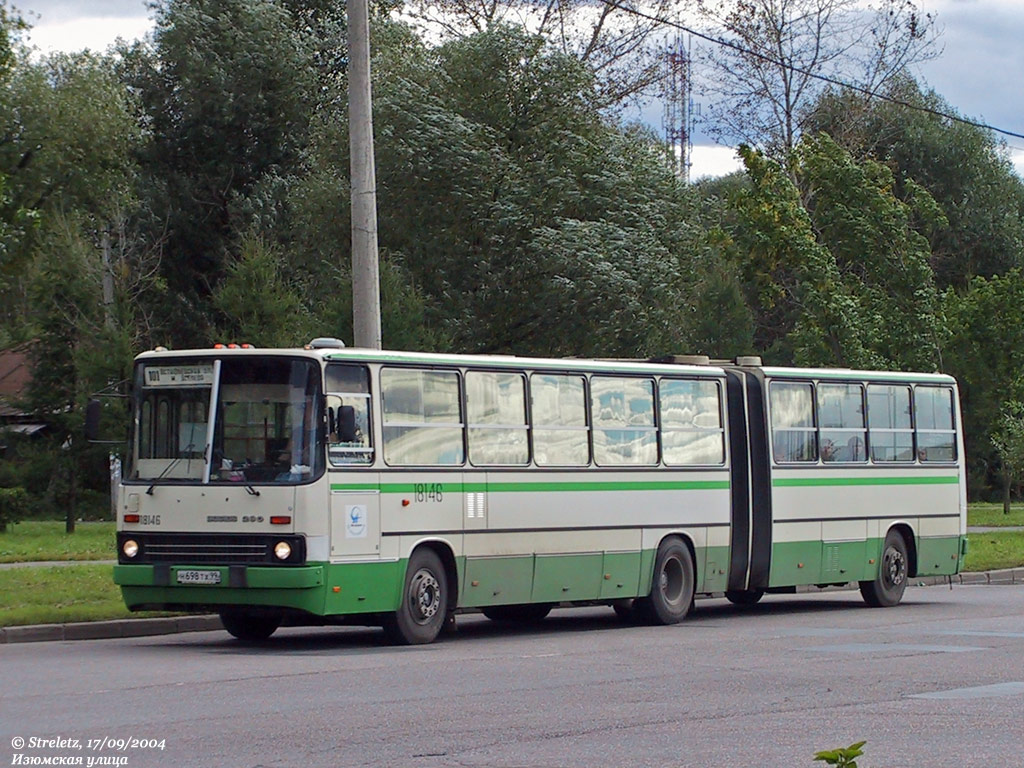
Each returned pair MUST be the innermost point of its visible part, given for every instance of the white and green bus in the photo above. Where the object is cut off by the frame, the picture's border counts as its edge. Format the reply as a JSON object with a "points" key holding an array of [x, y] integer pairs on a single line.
{"points": [[330, 485]]}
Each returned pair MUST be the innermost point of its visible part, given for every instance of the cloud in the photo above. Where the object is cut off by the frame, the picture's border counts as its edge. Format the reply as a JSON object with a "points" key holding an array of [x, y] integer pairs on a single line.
{"points": [[713, 161], [981, 58], [95, 33], [61, 11]]}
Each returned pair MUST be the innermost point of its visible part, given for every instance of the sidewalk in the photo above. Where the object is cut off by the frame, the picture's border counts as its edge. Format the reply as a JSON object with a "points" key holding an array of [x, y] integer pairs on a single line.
{"points": [[105, 630]]}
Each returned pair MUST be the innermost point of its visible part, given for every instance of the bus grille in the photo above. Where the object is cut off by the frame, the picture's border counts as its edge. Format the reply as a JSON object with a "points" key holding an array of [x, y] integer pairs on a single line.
{"points": [[202, 549]]}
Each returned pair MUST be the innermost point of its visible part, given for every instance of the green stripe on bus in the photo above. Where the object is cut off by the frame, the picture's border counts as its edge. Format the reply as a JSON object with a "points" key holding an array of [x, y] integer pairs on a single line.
{"points": [[544, 487], [804, 482]]}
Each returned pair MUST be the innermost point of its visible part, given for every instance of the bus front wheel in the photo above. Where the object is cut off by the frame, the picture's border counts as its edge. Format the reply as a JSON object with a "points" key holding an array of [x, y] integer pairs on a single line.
{"points": [[421, 614], [672, 587], [887, 588], [249, 627]]}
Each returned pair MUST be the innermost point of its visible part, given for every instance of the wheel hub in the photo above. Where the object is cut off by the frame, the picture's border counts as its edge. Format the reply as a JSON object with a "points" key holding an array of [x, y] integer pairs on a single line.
{"points": [[425, 595], [895, 566]]}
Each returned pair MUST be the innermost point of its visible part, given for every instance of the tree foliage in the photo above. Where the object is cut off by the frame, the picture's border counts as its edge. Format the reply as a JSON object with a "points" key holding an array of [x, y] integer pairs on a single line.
{"points": [[962, 167], [835, 270]]}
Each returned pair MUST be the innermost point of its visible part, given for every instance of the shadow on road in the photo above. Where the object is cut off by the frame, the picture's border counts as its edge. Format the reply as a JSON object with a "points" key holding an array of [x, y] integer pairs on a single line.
{"points": [[474, 627]]}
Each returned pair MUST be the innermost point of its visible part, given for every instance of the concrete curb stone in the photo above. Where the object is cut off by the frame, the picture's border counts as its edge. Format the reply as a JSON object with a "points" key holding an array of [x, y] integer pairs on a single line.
{"points": [[105, 630]]}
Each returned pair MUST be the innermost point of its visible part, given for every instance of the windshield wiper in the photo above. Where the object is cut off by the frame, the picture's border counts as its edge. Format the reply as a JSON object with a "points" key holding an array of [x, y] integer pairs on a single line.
{"points": [[168, 468]]}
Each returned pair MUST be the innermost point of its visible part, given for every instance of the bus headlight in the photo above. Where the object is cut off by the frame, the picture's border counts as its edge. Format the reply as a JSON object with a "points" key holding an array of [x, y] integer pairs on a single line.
{"points": [[130, 548], [282, 550]]}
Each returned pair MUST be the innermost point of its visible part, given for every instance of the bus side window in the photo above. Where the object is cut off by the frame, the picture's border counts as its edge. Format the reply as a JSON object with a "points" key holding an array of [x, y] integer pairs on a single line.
{"points": [[936, 432], [841, 421], [889, 426], [348, 415], [794, 438]]}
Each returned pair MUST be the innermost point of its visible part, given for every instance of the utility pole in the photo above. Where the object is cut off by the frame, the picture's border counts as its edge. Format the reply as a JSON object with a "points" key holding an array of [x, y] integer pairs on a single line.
{"points": [[365, 266]]}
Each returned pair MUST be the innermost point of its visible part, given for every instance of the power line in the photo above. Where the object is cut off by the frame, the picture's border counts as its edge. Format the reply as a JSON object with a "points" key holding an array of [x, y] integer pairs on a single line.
{"points": [[808, 73]]}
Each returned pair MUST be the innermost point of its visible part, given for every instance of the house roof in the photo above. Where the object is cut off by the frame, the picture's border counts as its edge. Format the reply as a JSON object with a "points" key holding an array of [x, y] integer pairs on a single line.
{"points": [[15, 376]]}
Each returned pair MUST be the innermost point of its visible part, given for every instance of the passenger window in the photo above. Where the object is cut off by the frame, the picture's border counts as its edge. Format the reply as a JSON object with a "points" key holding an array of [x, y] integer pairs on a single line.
{"points": [[348, 415], [559, 411], [496, 410], [842, 436], [792, 418], [936, 433], [889, 428], [422, 417], [691, 422], [623, 414]]}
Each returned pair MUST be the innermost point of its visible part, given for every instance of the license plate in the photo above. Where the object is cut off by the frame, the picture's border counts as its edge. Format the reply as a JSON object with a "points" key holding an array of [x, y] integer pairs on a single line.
{"points": [[199, 577]]}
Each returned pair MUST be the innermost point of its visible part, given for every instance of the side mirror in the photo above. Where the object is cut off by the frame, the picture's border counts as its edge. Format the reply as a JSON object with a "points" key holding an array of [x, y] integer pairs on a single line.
{"points": [[92, 420], [346, 424], [331, 421]]}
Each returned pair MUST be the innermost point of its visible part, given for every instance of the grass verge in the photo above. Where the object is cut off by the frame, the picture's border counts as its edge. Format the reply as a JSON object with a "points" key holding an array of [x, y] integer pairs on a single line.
{"points": [[992, 515], [55, 595], [992, 551], [36, 540]]}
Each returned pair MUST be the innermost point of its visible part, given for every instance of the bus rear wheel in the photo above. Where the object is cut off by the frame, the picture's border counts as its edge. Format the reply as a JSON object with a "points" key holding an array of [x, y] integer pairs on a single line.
{"points": [[888, 587], [525, 614], [247, 626], [672, 587], [421, 613]]}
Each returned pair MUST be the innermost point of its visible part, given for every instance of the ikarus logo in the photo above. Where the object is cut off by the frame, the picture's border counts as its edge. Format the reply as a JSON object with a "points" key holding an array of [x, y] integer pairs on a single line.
{"points": [[355, 516]]}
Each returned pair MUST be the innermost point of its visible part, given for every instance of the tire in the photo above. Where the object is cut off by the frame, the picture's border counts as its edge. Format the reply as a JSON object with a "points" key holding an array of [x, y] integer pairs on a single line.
{"points": [[744, 596], [424, 605], [672, 587], [524, 614], [893, 568], [249, 627]]}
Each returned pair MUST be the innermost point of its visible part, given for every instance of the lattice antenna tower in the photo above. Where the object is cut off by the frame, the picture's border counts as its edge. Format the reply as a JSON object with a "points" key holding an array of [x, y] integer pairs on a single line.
{"points": [[677, 121]]}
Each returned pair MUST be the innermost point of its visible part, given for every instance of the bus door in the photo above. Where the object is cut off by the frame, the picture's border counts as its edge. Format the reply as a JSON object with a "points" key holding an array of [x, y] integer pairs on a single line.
{"points": [[355, 517], [750, 481], [355, 491]]}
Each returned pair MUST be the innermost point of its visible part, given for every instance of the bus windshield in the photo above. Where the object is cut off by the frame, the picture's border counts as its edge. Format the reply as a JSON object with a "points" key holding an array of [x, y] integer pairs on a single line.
{"points": [[241, 420]]}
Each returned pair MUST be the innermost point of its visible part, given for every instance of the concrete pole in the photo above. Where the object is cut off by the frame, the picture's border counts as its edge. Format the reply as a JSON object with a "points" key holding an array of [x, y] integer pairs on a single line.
{"points": [[365, 267], [108, 281]]}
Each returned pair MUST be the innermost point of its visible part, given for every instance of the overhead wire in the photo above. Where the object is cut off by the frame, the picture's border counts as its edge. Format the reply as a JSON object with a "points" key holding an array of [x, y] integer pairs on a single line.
{"points": [[808, 73]]}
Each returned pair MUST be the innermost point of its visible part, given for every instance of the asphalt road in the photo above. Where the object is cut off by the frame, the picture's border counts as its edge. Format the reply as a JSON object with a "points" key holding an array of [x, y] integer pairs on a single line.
{"points": [[937, 681]]}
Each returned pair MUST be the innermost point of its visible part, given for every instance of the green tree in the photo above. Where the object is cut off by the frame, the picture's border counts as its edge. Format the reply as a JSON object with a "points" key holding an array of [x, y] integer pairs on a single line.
{"points": [[883, 259], [836, 272], [523, 218], [963, 167], [71, 132], [259, 306], [227, 93], [1008, 441], [985, 351]]}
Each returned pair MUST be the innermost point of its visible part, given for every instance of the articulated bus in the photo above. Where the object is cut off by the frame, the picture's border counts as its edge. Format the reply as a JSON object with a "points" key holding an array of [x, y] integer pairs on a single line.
{"points": [[332, 485]]}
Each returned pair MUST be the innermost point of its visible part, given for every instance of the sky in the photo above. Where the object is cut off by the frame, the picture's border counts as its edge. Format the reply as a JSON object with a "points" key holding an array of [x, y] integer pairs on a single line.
{"points": [[978, 72]]}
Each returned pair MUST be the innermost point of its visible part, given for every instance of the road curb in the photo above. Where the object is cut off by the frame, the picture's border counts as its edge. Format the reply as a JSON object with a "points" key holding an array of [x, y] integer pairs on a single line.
{"points": [[106, 630]]}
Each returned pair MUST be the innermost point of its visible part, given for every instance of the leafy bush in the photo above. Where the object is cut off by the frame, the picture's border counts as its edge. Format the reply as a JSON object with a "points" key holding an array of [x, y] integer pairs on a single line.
{"points": [[13, 505]]}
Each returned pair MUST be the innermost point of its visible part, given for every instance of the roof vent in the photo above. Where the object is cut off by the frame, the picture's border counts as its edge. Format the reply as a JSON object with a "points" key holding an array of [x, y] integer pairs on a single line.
{"points": [[326, 342], [748, 360], [682, 360]]}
